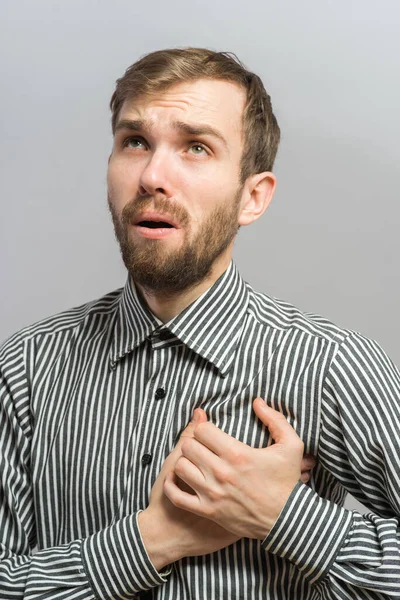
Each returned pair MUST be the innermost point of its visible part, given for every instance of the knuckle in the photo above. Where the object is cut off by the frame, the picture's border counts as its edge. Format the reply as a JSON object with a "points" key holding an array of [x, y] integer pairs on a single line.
{"points": [[234, 456], [223, 475], [177, 501], [209, 511], [231, 479], [180, 467], [215, 495], [239, 458]]}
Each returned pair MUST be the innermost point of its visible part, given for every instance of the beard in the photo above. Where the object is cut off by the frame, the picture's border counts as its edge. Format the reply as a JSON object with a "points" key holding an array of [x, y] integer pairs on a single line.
{"points": [[172, 271]]}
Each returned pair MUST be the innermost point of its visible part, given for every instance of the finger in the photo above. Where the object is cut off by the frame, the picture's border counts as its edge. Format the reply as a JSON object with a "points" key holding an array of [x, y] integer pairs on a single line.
{"points": [[305, 476], [189, 474], [204, 459], [183, 486], [308, 462], [199, 416], [281, 431], [178, 497], [216, 440]]}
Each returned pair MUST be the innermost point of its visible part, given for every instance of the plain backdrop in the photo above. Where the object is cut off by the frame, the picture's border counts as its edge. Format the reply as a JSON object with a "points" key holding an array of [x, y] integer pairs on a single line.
{"points": [[329, 243]]}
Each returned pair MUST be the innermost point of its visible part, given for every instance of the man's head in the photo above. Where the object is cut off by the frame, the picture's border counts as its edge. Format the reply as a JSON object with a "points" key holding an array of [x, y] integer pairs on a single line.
{"points": [[194, 141], [157, 71]]}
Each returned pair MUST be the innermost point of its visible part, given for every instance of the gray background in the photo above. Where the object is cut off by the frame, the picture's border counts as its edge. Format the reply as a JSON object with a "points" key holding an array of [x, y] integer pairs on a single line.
{"points": [[329, 242]]}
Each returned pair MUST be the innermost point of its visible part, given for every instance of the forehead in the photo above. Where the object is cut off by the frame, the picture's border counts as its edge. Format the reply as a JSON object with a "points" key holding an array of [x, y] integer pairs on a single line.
{"points": [[207, 101]]}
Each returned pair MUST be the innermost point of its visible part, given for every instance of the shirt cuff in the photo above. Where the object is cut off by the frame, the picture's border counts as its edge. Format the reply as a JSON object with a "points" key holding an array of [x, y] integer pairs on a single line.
{"points": [[117, 563], [309, 532]]}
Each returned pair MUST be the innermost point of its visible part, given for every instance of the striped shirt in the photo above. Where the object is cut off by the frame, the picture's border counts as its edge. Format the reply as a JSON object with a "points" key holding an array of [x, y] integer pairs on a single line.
{"points": [[94, 399]]}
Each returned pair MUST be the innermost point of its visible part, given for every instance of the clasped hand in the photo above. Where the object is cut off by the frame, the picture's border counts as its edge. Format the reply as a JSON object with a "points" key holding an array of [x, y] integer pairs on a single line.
{"points": [[242, 489]]}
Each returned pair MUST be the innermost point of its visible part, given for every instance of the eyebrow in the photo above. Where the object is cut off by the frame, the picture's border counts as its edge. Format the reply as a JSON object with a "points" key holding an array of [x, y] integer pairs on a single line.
{"points": [[187, 128]]}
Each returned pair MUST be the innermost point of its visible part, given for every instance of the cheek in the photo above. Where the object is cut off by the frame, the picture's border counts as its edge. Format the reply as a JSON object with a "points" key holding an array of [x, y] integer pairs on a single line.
{"points": [[118, 191], [220, 181], [213, 192], [121, 179]]}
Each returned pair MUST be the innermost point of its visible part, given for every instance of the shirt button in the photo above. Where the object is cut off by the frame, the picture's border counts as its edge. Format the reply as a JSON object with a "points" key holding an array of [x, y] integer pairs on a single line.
{"points": [[113, 366], [146, 459], [160, 393], [164, 335]]}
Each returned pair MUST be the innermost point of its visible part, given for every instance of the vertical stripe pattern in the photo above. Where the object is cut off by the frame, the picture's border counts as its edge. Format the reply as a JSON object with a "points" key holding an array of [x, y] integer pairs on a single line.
{"points": [[93, 400]]}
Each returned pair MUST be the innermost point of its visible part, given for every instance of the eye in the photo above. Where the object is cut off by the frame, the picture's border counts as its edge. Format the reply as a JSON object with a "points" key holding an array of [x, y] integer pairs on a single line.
{"points": [[198, 149], [134, 142]]}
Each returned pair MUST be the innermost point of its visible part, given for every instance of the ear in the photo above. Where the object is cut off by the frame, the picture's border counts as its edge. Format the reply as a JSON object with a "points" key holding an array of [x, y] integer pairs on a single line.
{"points": [[256, 197]]}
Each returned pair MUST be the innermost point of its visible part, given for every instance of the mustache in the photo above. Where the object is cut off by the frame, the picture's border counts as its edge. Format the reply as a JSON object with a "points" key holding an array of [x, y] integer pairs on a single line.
{"points": [[158, 203]]}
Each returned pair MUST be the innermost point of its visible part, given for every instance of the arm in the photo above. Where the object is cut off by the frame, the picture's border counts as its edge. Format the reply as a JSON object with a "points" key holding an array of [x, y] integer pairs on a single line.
{"points": [[111, 563], [116, 562], [359, 445], [344, 554], [349, 555]]}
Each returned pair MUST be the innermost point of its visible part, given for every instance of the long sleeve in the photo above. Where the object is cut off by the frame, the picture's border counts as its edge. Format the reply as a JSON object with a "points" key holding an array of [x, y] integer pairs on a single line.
{"points": [[343, 553], [111, 563]]}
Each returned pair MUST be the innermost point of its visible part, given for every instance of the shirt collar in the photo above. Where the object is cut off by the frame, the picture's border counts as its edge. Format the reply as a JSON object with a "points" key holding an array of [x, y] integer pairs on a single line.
{"points": [[210, 326]]}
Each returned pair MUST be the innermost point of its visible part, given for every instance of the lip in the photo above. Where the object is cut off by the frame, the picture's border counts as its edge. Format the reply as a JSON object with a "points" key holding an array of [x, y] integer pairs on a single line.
{"points": [[157, 233], [155, 216]]}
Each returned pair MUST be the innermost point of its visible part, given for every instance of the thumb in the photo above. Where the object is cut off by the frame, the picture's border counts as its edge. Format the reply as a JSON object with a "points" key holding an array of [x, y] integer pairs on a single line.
{"points": [[277, 424]]}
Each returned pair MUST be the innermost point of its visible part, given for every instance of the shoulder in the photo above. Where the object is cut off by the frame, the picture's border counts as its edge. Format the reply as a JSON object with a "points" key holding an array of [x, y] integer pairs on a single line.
{"points": [[353, 366], [342, 342], [95, 313], [280, 314]]}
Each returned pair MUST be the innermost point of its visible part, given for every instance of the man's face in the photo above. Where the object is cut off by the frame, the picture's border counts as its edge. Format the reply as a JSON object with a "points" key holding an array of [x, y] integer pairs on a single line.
{"points": [[176, 159]]}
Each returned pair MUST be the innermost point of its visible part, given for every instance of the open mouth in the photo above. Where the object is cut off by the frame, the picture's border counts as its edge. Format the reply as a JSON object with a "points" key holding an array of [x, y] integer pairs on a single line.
{"points": [[155, 224]]}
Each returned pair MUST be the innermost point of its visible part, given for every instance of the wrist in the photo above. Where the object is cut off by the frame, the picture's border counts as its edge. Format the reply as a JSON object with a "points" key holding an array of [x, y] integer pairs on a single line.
{"points": [[160, 544], [320, 525]]}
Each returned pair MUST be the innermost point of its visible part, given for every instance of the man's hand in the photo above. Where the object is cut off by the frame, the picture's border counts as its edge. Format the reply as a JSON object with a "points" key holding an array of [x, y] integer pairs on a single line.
{"points": [[242, 489], [170, 533]]}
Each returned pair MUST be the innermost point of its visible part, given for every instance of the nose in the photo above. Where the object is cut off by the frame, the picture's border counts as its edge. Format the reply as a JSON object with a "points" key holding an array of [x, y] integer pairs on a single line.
{"points": [[155, 176]]}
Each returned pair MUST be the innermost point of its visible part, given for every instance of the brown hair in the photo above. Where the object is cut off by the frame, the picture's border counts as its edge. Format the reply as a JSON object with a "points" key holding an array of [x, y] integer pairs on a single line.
{"points": [[159, 70]]}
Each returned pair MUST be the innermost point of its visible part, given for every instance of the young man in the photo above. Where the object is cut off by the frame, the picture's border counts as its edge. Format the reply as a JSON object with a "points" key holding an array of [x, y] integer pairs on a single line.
{"points": [[94, 400]]}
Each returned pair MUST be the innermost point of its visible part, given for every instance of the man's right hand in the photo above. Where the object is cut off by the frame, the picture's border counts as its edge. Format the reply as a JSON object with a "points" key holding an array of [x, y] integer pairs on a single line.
{"points": [[170, 533]]}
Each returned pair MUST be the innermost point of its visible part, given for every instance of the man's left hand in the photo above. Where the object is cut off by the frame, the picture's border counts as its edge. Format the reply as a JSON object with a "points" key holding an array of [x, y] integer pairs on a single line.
{"points": [[241, 488]]}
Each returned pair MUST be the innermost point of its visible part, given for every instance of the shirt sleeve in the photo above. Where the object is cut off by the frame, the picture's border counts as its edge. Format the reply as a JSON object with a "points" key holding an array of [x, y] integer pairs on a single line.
{"points": [[111, 563], [343, 553]]}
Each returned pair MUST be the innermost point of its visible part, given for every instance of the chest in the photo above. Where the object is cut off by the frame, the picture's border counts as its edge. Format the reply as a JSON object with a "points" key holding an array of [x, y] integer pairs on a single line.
{"points": [[102, 434]]}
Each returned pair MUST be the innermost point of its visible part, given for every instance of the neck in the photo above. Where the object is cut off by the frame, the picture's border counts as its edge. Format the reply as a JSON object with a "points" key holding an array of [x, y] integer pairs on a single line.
{"points": [[166, 306]]}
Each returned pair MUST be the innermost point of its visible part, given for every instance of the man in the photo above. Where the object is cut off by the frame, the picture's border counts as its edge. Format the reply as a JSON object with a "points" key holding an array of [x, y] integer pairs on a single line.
{"points": [[94, 401]]}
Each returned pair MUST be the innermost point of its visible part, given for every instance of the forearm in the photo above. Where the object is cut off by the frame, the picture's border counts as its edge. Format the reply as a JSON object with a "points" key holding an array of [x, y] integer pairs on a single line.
{"points": [[111, 563], [340, 552], [49, 573]]}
